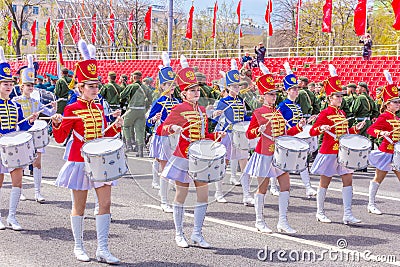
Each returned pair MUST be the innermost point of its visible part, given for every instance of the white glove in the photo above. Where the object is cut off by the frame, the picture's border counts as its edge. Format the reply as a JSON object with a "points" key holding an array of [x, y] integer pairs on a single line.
{"points": [[262, 128], [177, 129]]}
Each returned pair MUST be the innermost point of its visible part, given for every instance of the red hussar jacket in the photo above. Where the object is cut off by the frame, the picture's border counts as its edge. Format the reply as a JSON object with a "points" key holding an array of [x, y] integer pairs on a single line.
{"points": [[331, 116], [387, 121], [87, 128], [276, 126], [183, 115]]}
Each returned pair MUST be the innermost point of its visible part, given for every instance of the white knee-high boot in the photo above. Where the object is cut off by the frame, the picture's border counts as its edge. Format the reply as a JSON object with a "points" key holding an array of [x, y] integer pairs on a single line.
{"points": [[164, 195], [234, 166], [103, 228], [14, 200], [245, 181], [2, 226], [179, 212], [348, 218], [305, 177], [321, 194], [373, 189], [199, 216], [283, 225], [154, 171], [273, 189], [219, 195], [77, 232], [37, 178], [259, 208]]}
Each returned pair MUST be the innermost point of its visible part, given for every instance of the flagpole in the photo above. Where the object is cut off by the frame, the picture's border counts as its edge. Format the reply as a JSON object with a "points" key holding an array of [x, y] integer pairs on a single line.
{"points": [[267, 38], [298, 27]]}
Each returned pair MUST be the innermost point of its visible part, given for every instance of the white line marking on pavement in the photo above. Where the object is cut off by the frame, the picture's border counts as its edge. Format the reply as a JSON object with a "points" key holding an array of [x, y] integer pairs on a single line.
{"points": [[281, 236], [291, 181]]}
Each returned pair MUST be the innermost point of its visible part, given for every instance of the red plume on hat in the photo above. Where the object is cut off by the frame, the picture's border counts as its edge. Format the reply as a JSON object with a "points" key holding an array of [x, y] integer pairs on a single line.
{"points": [[333, 85], [265, 83], [390, 91], [185, 78]]}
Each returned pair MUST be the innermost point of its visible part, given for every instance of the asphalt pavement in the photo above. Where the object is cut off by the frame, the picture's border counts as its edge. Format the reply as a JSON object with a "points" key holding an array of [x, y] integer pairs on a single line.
{"points": [[142, 235]]}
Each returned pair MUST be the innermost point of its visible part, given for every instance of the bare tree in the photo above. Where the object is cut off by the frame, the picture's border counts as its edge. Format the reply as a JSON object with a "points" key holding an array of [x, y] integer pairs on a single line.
{"points": [[20, 16]]}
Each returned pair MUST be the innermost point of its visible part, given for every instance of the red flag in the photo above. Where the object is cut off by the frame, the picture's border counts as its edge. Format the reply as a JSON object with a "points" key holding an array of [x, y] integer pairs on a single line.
{"points": [[214, 27], [298, 6], [238, 14], [74, 33], [189, 26], [111, 32], [268, 12], [396, 9], [147, 30], [270, 29], [327, 18], [360, 17], [9, 34], [33, 31], [48, 31], [60, 30], [130, 27], [94, 28]]}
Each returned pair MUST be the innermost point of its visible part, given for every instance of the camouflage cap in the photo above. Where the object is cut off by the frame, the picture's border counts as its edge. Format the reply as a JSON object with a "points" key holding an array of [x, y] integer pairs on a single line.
{"points": [[311, 84], [112, 74], [137, 73], [352, 85], [200, 75], [303, 79], [363, 84]]}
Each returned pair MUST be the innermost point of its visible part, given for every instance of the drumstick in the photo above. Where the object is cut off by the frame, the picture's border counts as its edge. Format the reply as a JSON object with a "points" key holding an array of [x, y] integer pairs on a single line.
{"points": [[112, 124], [64, 118], [340, 122], [273, 114], [219, 137]]}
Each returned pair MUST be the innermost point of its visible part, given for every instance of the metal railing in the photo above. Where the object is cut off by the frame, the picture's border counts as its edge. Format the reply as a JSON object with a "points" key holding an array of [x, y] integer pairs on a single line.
{"points": [[320, 53]]}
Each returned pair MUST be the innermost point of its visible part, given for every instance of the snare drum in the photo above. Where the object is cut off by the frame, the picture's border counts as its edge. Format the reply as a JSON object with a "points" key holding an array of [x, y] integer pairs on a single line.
{"points": [[207, 161], [40, 133], [396, 157], [290, 154], [105, 159], [17, 149], [311, 140], [353, 151], [239, 139]]}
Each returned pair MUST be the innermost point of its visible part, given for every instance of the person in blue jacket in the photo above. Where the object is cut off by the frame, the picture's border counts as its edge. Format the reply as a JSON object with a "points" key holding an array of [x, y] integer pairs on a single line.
{"points": [[11, 120], [160, 148], [231, 110]]}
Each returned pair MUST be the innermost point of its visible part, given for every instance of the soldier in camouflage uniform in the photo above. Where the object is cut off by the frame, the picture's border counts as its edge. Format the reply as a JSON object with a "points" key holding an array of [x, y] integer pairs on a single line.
{"points": [[62, 90], [364, 108], [137, 99], [308, 102], [111, 91]]}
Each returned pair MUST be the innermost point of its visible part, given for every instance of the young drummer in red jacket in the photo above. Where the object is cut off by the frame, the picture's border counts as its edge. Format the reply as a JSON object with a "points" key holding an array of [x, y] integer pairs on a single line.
{"points": [[190, 121], [326, 164], [387, 126], [72, 175], [268, 123]]}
